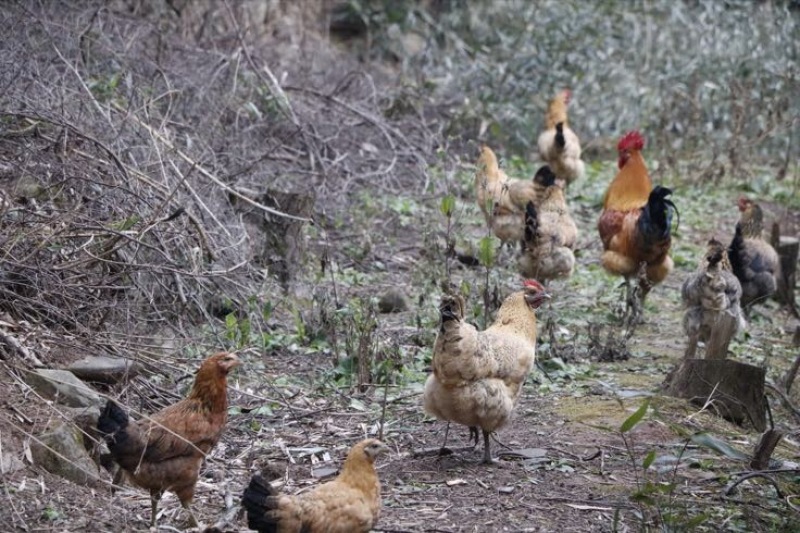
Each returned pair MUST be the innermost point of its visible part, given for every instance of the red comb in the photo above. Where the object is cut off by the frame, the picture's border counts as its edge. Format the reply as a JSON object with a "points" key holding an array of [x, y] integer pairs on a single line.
{"points": [[632, 140], [533, 284], [743, 203], [567, 96]]}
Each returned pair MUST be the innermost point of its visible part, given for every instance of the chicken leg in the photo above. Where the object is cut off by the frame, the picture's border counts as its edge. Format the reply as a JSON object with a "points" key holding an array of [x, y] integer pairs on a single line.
{"points": [[155, 496], [487, 453], [192, 519]]}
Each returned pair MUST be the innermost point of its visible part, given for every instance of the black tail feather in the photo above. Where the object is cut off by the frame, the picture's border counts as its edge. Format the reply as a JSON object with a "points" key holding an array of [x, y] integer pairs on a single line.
{"points": [[531, 223], [112, 420], [561, 142], [545, 176], [258, 499], [656, 220]]}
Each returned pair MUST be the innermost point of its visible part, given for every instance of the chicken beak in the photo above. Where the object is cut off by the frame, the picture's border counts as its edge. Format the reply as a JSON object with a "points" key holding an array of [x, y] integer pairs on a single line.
{"points": [[537, 299], [233, 361]]}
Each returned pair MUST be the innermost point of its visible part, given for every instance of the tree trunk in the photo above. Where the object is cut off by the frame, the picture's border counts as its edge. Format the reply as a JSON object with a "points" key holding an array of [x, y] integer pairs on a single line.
{"points": [[732, 389], [278, 241], [764, 448], [788, 249], [721, 335]]}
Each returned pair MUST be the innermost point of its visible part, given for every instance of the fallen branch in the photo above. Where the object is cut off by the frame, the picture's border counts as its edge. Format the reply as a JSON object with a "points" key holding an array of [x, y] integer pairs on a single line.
{"points": [[26, 354]]}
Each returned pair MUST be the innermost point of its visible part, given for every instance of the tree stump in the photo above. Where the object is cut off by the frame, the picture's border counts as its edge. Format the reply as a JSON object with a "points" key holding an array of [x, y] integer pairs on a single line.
{"points": [[721, 335], [734, 390], [788, 249], [278, 241]]}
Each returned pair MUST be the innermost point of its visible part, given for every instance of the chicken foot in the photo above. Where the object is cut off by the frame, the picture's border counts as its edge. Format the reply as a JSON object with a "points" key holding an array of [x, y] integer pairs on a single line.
{"points": [[474, 438]]}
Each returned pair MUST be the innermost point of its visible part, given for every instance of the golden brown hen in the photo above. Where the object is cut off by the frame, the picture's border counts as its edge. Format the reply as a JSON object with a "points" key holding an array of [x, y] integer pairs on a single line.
{"points": [[478, 375], [349, 504], [164, 452]]}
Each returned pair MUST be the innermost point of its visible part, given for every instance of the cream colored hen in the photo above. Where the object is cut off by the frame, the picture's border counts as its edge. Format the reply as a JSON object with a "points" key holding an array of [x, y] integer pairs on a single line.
{"points": [[550, 232], [478, 375], [558, 145]]}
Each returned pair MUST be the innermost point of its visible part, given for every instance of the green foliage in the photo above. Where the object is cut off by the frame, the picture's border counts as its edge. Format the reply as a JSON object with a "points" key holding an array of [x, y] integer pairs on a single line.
{"points": [[653, 65], [635, 418], [448, 205], [486, 251]]}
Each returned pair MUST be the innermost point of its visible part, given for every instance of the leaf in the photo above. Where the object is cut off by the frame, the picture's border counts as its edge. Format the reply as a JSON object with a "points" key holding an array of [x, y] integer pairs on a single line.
{"points": [[486, 251], [448, 205], [635, 418], [720, 446], [357, 404], [649, 459]]}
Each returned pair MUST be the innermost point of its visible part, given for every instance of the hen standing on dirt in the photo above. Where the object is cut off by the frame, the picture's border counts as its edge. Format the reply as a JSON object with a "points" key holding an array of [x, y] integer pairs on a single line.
{"points": [[478, 375], [753, 259], [164, 452], [550, 232], [348, 504]]}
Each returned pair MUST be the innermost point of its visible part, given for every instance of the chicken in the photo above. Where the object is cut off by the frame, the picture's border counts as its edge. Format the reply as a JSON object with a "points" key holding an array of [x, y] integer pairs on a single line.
{"points": [[165, 451], [711, 296], [348, 504], [550, 232], [478, 375], [755, 262], [502, 199], [635, 225], [559, 147]]}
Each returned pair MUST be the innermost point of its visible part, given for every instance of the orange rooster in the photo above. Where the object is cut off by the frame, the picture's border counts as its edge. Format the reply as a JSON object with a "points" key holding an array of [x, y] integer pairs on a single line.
{"points": [[635, 225], [349, 504], [165, 451], [558, 145]]}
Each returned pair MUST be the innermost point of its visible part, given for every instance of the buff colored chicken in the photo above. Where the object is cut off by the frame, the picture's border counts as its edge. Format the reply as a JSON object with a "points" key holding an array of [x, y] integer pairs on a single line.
{"points": [[550, 232], [478, 375], [711, 296], [502, 199], [755, 262], [559, 147], [348, 504]]}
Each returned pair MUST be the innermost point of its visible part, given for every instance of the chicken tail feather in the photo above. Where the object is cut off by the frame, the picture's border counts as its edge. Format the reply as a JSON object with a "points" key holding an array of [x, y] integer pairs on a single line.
{"points": [[561, 142], [112, 420], [259, 499], [123, 438], [531, 223]]}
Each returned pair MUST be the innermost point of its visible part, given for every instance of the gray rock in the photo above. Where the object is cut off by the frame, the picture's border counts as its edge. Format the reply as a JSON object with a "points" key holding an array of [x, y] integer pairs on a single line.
{"points": [[392, 301], [61, 452], [9, 463], [63, 386], [108, 370]]}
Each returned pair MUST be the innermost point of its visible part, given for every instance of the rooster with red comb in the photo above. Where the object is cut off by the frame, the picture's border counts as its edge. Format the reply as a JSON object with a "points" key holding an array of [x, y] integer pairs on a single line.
{"points": [[636, 224]]}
